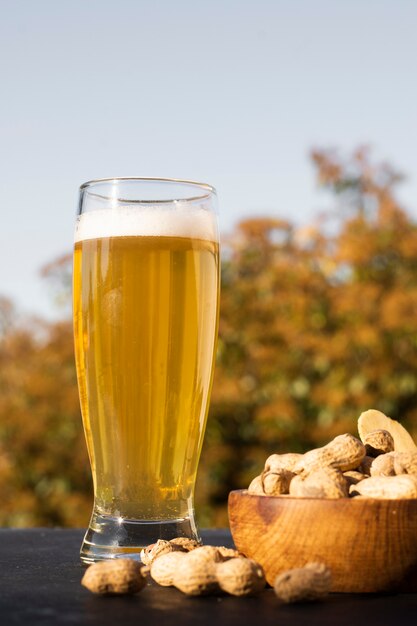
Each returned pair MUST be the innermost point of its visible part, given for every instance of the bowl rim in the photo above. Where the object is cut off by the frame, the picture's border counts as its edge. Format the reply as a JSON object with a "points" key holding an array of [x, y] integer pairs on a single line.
{"points": [[288, 498]]}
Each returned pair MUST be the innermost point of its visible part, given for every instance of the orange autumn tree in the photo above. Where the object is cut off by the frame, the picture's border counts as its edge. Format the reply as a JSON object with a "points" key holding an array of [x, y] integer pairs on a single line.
{"points": [[317, 323], [44, 475]]}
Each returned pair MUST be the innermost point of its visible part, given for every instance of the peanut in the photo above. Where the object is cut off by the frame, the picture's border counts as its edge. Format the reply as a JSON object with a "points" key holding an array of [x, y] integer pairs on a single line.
{"points": [[240, 577], [163, 568], [282, 461], [154, 550], [344, 453], [387, 487], [394, 464], [117, 577], [405, 463], [256, 486], [303, 584], [378, 442], [353, 477], [322, 483], [276, 482], [205, 554], [375, 420], [184, 543], [162, 546], [383, 465], [227, 553], [196, 573]]}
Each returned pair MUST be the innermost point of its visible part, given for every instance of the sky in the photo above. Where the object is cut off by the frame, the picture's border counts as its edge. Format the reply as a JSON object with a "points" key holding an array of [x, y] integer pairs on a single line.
{"points": [[234, 93]]}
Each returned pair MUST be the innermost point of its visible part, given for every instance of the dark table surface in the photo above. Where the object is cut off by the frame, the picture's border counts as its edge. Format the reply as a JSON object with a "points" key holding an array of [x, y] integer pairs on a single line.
{"points": [[40, 575]]}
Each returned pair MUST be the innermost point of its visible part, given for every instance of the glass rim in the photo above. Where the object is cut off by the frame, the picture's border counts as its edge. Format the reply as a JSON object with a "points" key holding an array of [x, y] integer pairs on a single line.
{"points": [[210, 190]]}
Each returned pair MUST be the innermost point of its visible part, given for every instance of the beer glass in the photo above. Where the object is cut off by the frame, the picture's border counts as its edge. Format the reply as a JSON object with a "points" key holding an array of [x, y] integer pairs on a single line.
{"points": [[146, 301]]}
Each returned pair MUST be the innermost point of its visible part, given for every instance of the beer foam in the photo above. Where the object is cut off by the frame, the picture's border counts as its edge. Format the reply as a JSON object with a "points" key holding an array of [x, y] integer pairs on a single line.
{"points": [[133, 221]]}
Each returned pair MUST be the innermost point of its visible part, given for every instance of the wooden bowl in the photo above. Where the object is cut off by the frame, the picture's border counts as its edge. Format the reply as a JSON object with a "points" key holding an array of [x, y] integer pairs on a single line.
{"points": [[370, 545]]}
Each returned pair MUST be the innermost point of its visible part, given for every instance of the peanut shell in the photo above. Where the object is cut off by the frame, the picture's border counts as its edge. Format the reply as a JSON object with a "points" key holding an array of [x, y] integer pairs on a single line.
{"points": [[154, 550], [322, 483], [303, 584], [387, 487], [116, 577], [185, 543], [405, 463], [163, 568], [378, 442], [376, 420], [256, 486], [285, 461], [196, 577], [344, 453], [276, 482], [383, 465], [240, 577]]}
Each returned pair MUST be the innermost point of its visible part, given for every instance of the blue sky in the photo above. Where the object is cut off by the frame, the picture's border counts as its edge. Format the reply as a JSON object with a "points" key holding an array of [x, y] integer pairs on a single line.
{"points": [[233, 93]]}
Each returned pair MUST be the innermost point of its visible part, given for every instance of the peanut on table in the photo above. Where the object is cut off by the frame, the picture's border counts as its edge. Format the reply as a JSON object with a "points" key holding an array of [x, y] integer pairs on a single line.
{"points": [[203, 570]]}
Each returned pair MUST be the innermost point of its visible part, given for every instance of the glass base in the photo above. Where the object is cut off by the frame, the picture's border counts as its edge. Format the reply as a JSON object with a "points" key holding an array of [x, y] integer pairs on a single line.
{"points": [[111, 537]]}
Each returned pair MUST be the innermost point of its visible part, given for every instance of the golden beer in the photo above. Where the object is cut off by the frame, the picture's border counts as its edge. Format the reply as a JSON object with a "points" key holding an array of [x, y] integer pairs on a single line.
{"points": [[145, 322]]}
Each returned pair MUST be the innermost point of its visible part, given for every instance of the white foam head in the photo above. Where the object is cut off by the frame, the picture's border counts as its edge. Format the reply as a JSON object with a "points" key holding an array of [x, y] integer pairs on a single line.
{"points": [[149, 221]]}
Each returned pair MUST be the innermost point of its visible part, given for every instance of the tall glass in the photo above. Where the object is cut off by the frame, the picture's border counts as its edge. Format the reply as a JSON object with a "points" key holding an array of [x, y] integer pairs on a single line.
{"points": [[146, 301]]}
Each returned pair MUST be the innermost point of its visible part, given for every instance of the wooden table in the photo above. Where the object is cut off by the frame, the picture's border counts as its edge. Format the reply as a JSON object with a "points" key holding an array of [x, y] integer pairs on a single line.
{"points": [[40, 576]]}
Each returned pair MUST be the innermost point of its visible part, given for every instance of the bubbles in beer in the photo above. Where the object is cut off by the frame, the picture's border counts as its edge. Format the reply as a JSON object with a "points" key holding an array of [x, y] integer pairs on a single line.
{"points": [[182, 221]]}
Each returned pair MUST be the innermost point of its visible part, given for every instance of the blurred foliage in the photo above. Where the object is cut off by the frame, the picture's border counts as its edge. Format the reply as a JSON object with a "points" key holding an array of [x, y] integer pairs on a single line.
{"points": [[44, 472], [318, 323]]}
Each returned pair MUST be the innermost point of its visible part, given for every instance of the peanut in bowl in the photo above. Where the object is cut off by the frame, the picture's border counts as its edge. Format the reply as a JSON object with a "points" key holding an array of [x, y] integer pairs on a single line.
{"points": [[337, 505]]}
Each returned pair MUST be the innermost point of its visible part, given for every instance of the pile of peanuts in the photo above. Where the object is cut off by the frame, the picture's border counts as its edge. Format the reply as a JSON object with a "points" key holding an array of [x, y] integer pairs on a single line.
{"points": [[369, 467], [198, 570]]}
